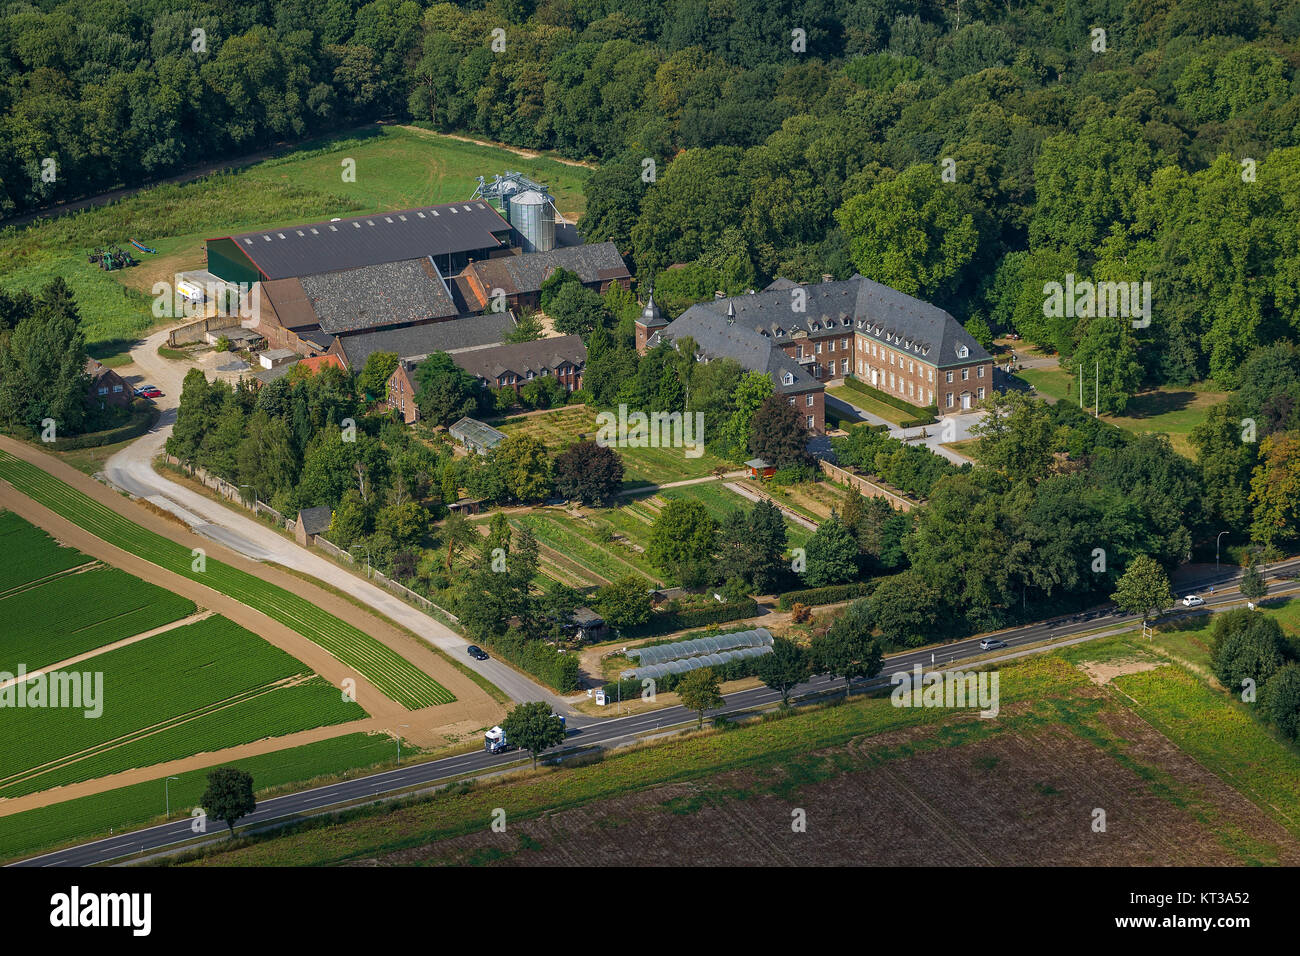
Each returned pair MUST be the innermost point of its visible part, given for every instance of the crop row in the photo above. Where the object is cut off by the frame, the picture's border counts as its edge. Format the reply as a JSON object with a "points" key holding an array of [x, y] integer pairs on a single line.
{"points": [[75, 613], [28, 554], [392, 674]]}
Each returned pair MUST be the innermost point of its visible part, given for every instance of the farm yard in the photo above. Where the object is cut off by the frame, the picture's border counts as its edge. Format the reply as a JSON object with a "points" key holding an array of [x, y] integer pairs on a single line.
{"points": [[392, 674], [396, 168]]}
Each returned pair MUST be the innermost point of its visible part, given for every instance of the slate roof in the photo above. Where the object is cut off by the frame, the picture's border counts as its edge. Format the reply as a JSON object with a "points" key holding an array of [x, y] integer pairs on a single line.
{"points": [[375, 296], [837, 308], [717, 338], [315, 520], [369, 240], [525, 273], [419, 341], [523, 357]]}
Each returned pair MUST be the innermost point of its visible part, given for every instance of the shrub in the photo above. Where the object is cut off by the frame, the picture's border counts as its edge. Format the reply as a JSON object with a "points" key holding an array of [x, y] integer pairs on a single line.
{"points": [[832, 594]]}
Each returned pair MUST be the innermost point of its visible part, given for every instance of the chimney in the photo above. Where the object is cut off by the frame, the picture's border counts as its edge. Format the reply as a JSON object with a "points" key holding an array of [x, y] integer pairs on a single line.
{"points": [[719, 294], [827, 277]]}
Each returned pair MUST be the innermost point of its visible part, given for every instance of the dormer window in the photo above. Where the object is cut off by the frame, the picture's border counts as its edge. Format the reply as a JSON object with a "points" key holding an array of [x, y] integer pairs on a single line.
{"points": [[962, 351], [787, 379]]}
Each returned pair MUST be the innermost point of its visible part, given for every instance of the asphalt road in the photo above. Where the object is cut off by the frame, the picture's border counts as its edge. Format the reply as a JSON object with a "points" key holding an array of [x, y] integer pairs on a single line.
{"points": [[622, 729]]}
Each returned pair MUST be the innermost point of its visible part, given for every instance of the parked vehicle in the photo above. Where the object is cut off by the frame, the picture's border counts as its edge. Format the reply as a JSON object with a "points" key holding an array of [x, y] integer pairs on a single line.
{"points": [[1193, 600], [476, 652]]}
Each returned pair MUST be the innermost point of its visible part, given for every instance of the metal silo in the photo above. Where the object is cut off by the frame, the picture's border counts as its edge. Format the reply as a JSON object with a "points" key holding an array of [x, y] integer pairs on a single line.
{"points": [[533, 217]]}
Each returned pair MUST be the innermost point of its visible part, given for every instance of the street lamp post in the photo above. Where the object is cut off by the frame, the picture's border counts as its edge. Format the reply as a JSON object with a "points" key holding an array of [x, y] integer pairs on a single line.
{"points": [[366, 549], [399, 742], [167, 796], [1216, 549]]}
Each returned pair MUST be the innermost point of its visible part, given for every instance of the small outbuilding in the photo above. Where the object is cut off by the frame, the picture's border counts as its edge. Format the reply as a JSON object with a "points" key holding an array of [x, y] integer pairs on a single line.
{"points": [[758, 468], [591, 626], [312, 522], [274, 358], [476, 436]]}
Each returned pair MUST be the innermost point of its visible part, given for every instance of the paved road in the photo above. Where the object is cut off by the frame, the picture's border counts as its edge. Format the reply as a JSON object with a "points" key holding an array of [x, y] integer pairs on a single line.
{"points": [[622, 729], [132, 470], [936, 435]]}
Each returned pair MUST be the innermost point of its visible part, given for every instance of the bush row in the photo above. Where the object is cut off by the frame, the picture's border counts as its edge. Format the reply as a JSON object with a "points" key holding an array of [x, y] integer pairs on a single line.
{"points": [[141, 421], [917, 422], [895, 401], [666, 623], [546, 663], [831, 594]]}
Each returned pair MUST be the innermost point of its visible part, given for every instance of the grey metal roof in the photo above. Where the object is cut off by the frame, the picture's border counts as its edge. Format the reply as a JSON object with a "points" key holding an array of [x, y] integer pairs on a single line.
{"points": [[523, 357], [419, 341], [369, 297], [473, 430], [718, 338], [372, 239], [315, 520]]}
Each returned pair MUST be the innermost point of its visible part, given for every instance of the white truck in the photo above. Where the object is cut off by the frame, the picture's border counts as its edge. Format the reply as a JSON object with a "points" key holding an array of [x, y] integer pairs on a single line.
{"points": [[494, 741]]}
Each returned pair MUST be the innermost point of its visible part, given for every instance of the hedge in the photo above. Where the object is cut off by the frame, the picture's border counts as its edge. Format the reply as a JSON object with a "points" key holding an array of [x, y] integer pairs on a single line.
{"points": [[141, 421], [878, 395], [916, 422], [666, 623], [546, 663], [832, 594]]}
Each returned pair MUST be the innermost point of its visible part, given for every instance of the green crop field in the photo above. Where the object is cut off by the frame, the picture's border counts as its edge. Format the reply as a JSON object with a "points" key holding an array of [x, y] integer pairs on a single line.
{"points": [[74, 613], [392, 674], [201, 687], [89, 817], [395, 168], [28, 554]]}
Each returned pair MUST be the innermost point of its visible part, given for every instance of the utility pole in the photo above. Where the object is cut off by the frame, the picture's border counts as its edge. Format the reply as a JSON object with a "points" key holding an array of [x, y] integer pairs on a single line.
{"points": [[1096, 409], [167, 794]]}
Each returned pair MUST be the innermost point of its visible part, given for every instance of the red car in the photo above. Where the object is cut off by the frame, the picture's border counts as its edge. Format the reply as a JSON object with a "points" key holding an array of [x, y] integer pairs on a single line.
{"points": [[148, 391]]}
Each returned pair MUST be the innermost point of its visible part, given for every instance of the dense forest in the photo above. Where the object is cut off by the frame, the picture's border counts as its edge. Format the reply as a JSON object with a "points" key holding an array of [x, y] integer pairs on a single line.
{"points": [[964, 152]]}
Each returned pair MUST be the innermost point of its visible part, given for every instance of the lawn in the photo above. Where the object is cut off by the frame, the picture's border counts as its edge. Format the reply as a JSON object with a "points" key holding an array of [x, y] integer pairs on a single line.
{"points": [[396, 168], [87, 818], [1174, 411], [641, 466], [1053, 382], [867, 403], [392, 674], [201, 687]]}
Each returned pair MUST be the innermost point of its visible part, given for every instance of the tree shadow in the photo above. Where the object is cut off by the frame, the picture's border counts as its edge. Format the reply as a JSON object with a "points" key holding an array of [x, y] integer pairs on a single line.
{"points": [[1151, 404]]}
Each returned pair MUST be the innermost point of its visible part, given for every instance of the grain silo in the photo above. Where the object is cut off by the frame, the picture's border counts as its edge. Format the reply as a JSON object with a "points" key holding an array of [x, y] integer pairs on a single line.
{"points": [[533, 216]]}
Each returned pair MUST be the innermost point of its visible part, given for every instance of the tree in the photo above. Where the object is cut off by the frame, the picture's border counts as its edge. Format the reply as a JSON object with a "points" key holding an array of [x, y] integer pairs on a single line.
{"points": [[906, 609], [749, 394], [700, 690], [379, 367], [444, 391], [832, 554], [533, 727], [229, 795], [1281, 699], [589, 472], [1143, 589], [1105, 354], [1253, 585], [577, 310], [456, 533], [1016, 436], [624, 602], [783, 669], [1246, 648], [913, 233], [777, 434], [1275, 489], [681, 541], [525, 466], [847, 649]]}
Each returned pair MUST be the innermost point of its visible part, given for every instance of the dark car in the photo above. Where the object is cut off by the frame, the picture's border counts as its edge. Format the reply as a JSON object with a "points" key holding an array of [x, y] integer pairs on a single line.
{"points": [[476, 652]]}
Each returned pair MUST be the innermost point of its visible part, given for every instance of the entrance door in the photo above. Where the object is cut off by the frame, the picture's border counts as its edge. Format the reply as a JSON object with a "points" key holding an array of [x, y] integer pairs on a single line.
{"points": [[965, 400]]}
